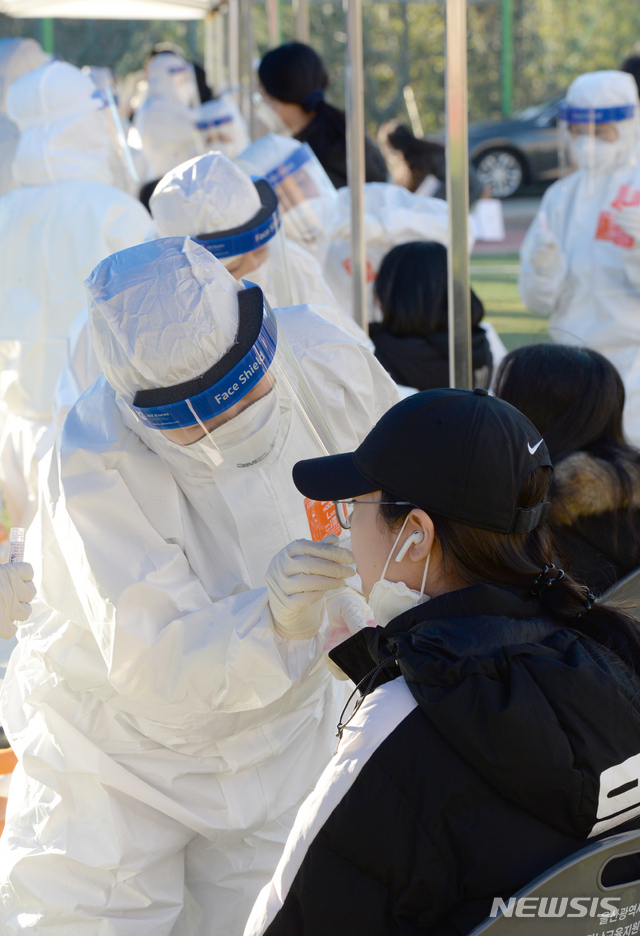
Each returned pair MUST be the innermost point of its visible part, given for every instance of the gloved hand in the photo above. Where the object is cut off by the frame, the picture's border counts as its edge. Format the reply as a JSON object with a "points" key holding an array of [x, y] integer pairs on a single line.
{"points": [[297, 580], [628, 219], [16, 591], [348, 613], [346, 608], [546, 256]]}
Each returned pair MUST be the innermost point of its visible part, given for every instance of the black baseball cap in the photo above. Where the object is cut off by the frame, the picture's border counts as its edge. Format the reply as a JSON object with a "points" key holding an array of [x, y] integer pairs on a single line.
{"points": [[459, 453]]}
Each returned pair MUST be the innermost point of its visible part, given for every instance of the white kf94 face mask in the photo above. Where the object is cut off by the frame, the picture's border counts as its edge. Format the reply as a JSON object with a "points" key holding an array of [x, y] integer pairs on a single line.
{"points": [[245, 441], [389, 599]]}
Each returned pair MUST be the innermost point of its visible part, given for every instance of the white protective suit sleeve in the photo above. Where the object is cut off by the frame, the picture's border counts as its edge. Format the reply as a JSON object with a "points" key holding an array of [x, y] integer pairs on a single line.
{"points": [[540, 284]]}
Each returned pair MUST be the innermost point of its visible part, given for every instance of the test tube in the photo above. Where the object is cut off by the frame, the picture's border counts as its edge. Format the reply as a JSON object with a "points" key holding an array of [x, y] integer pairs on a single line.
{"points": [[16, 544]]}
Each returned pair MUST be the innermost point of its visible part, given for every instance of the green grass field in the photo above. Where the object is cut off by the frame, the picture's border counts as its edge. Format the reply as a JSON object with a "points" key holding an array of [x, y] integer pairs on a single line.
{"points": [[494, 278]]}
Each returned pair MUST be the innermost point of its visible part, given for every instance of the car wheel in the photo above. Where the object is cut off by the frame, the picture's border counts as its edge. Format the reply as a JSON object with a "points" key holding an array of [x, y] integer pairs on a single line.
{"points": [[502, 170]]}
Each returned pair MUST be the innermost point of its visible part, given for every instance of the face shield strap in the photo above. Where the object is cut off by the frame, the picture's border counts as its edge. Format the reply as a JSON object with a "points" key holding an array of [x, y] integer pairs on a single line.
{"points": [[256, 232], [297, 159], [224, 384], [598, 115], [213, 122]]}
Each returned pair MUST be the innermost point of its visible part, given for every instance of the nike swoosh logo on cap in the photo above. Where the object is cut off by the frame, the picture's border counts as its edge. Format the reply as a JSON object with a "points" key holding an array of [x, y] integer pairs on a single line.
{"points": [[532, 451]]}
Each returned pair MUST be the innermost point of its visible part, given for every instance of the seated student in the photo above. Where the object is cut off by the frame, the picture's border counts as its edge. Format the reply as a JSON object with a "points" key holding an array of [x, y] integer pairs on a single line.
{"points": [[496, 717], [420, 164], [293, 82], [575, 397], [412, 341]]}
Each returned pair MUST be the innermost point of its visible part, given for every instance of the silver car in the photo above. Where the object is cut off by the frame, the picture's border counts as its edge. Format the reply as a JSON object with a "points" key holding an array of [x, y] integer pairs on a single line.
{"points": [[511, 153]]}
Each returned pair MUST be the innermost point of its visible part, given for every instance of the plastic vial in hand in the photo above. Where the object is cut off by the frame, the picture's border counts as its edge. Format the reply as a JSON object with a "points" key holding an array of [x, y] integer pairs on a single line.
{"points": [[16, 544]]}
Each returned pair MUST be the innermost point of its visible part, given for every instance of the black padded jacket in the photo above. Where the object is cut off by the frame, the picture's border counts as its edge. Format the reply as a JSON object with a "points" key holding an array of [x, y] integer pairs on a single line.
{"points": [[496, 743]]}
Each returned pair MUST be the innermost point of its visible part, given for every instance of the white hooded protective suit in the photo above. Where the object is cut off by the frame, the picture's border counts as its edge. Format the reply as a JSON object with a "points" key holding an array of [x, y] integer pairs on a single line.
{"points": [[210, 194], [166, 121], [165, 733], [222, 126], [578, 265], [393, 216], [319, 217], [64, 219], [17, 57]]}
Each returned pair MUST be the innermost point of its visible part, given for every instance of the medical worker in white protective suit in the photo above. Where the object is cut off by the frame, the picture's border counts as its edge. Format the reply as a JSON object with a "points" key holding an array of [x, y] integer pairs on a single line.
{"points": [[318, 216], [211, 200], [173, 125], [17, 57], [580, 260], [54, 229], [166, 725]]}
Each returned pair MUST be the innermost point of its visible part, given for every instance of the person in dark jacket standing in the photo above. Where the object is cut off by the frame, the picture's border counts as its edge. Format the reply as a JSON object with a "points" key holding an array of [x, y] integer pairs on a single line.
{"points": [[498, 729], [575, 398], [294, 81], [412, 341]]}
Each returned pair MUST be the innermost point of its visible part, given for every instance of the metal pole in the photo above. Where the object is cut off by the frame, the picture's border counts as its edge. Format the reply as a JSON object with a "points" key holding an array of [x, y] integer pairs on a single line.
{"points": [[210, 50], [233, 23], [355, 159], [48, 35], [458, 195], [274, 22], [246, 64], [302, 20], [507, 57], [220, 78]]}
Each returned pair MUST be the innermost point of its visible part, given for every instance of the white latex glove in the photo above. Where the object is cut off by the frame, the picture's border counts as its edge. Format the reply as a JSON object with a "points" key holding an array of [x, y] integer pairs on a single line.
{"points": [[297, 580], [629, 220], [346, 608], [546, 256], [16, 591], [348, 613]]}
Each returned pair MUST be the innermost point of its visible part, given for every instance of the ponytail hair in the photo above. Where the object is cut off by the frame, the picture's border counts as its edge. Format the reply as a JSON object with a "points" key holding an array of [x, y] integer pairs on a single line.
{"points": [[513, 560], [294, 73]]}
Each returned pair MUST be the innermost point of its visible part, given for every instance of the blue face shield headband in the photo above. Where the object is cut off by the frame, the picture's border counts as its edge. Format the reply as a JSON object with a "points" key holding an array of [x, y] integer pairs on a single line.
{"points": [[224, 384], [256, 232], [597, 115], [297, 159], [213, 122]]}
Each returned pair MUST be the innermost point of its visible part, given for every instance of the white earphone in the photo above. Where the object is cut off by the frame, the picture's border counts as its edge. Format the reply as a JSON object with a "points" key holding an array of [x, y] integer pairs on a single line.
{"points": [[416, 537]]}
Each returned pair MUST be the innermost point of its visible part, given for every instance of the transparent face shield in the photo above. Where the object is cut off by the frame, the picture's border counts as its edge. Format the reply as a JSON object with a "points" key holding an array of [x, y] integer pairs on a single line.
{"points": [[123, 169], [306, 197], [238, 415], [257, 249], [596, 141]]}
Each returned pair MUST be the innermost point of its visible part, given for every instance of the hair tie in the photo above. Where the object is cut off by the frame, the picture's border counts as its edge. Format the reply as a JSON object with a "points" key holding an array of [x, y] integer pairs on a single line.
{"points": [[590, 598], [546, 578], [313, 99]]}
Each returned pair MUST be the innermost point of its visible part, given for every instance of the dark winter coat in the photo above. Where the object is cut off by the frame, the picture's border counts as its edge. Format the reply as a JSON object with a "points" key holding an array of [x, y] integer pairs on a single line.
{"points": [[327, 138], [595, 524], [423, 363], [476, 770]]}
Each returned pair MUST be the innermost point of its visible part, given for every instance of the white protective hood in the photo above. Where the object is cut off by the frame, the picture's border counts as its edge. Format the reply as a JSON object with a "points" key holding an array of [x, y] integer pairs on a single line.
{"points": [[170, 734], [17, 56], [166, 121], [171, 78], [591, 291], [64, 133], [136, 350], [604, 89], [206, 194]]}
